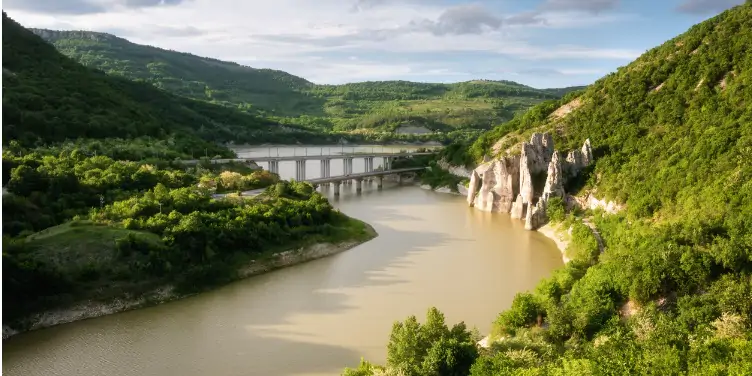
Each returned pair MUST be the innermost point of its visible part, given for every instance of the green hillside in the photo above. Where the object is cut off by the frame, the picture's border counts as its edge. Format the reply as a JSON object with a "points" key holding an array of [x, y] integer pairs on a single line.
{"points": [[381, 106], [95, 208], [672, 292], [48, 98]]}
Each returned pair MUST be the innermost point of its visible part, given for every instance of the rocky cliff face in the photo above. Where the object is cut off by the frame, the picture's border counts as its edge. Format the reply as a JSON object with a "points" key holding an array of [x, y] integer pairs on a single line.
{"points": [[507, 184], [554, 178], [499, 182]]}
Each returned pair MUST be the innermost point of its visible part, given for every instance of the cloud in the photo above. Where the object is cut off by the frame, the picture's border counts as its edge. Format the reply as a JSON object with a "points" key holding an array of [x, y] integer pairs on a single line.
{"points": [[80, 7], [459, 20], [150, 3], [593, 6], [559, 72], [392, 39], [706, 6], [55, 6], [526, 18], [157, 31], [362, 5]]}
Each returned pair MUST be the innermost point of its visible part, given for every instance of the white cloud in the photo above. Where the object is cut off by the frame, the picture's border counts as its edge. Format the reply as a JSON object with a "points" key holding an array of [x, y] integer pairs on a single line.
{"points": [[289, 32]]}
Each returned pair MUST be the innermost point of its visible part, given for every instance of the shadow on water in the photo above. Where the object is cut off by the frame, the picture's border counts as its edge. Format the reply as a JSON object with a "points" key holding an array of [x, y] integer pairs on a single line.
{"points": [[237, 329]]}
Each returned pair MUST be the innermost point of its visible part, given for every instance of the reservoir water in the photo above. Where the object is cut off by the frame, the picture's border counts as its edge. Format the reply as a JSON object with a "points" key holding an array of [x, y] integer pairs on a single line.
{"points": [[318, 317]]}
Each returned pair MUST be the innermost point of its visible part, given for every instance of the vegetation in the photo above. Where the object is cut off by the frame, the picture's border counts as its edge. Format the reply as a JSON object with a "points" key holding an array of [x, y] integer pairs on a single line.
{"points": [[672, 293], [430, 348], [374, 110], [137, 226], [437, 177], [97, 204]]}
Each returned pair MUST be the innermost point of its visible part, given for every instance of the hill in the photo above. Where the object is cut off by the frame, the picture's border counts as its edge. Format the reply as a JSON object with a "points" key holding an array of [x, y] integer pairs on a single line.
{"points": [[183, 73], [49, 98], [671, 294], [381, 106]]}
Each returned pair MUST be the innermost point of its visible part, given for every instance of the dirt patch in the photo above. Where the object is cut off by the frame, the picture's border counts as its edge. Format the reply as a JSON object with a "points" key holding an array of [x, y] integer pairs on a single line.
{"points": [[628, 309], [724, 81], [566, 109], [659, 87], [702, 81]]}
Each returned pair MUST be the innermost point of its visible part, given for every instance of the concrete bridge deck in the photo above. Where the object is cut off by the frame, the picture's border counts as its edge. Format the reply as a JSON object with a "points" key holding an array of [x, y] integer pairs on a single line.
{"points": [[336, 181], [284, 158], [361, 175]]}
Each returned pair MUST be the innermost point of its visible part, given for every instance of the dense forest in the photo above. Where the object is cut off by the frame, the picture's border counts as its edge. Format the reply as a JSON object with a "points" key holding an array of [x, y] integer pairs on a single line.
{"points": [[97, 204], [672, 292], [364, 108]]}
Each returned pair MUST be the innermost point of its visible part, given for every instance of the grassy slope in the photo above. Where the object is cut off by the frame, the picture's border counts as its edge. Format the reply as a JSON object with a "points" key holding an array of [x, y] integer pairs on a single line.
{"points": [[80, 247], [381, 105]]}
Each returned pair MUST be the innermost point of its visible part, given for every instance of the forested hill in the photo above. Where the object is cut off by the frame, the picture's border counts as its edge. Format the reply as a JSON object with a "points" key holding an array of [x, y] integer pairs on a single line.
{"points": [[182, 73], [48, 98], [112, 216], [671, 294], [381, 106]]}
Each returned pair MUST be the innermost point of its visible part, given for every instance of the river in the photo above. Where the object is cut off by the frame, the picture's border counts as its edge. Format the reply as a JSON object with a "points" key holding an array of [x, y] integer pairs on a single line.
{"points": [[318, 317]]}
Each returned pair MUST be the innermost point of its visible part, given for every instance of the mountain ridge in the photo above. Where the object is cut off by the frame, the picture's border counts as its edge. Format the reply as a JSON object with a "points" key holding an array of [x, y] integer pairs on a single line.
{"points": [[373, 105]]}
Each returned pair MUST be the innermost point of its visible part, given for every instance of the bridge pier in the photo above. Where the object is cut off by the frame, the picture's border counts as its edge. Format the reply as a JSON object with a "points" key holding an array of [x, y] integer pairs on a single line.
{"points": [[387, 163], [326, 165], [368, 163], [347, 165], [336, 185], [399, 179], [380, 183], [300, 173], [274, 166], [358, 185]]}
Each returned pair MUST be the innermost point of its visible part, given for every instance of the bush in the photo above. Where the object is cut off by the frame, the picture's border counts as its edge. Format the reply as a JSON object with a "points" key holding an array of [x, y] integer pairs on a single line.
{"points": [[525, 310], [555, 209]]}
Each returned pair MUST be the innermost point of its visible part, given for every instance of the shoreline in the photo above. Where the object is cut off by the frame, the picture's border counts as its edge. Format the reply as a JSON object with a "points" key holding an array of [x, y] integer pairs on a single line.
{"points": [[553, 232], [92, 309], [549, 230]]}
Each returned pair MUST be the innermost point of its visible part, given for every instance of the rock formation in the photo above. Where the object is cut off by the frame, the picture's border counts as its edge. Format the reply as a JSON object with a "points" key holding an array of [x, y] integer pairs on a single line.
{"points": [[472, 188], [506, 184], [555, 179], [498, 181], [518, 208], [526, 179], [536, 215], [587, 153]]}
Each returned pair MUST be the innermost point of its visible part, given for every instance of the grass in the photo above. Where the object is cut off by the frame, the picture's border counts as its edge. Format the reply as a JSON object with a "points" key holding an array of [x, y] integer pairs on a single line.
{"points": [[77, 245]]}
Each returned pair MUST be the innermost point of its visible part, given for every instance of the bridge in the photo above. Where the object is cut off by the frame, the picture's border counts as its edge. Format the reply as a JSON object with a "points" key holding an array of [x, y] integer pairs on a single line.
{"points": [[336, 181], [326, 159]]}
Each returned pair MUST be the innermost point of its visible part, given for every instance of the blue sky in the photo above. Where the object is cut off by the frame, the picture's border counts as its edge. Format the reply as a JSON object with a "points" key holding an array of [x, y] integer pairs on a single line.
{"points": [[541, 43]]}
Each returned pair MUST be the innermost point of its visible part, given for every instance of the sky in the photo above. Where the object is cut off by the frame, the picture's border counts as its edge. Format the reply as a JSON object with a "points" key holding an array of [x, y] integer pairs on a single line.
{"points": [[541, 43]]}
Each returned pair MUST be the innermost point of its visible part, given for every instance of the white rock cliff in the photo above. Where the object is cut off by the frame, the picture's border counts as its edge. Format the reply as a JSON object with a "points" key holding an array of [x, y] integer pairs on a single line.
{"points": [[507, 184]]}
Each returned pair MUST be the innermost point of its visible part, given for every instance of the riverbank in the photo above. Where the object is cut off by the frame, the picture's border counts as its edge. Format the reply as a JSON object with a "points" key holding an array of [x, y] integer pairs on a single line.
{"points": [[552, 231], [555, 232], [164, 294]]}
